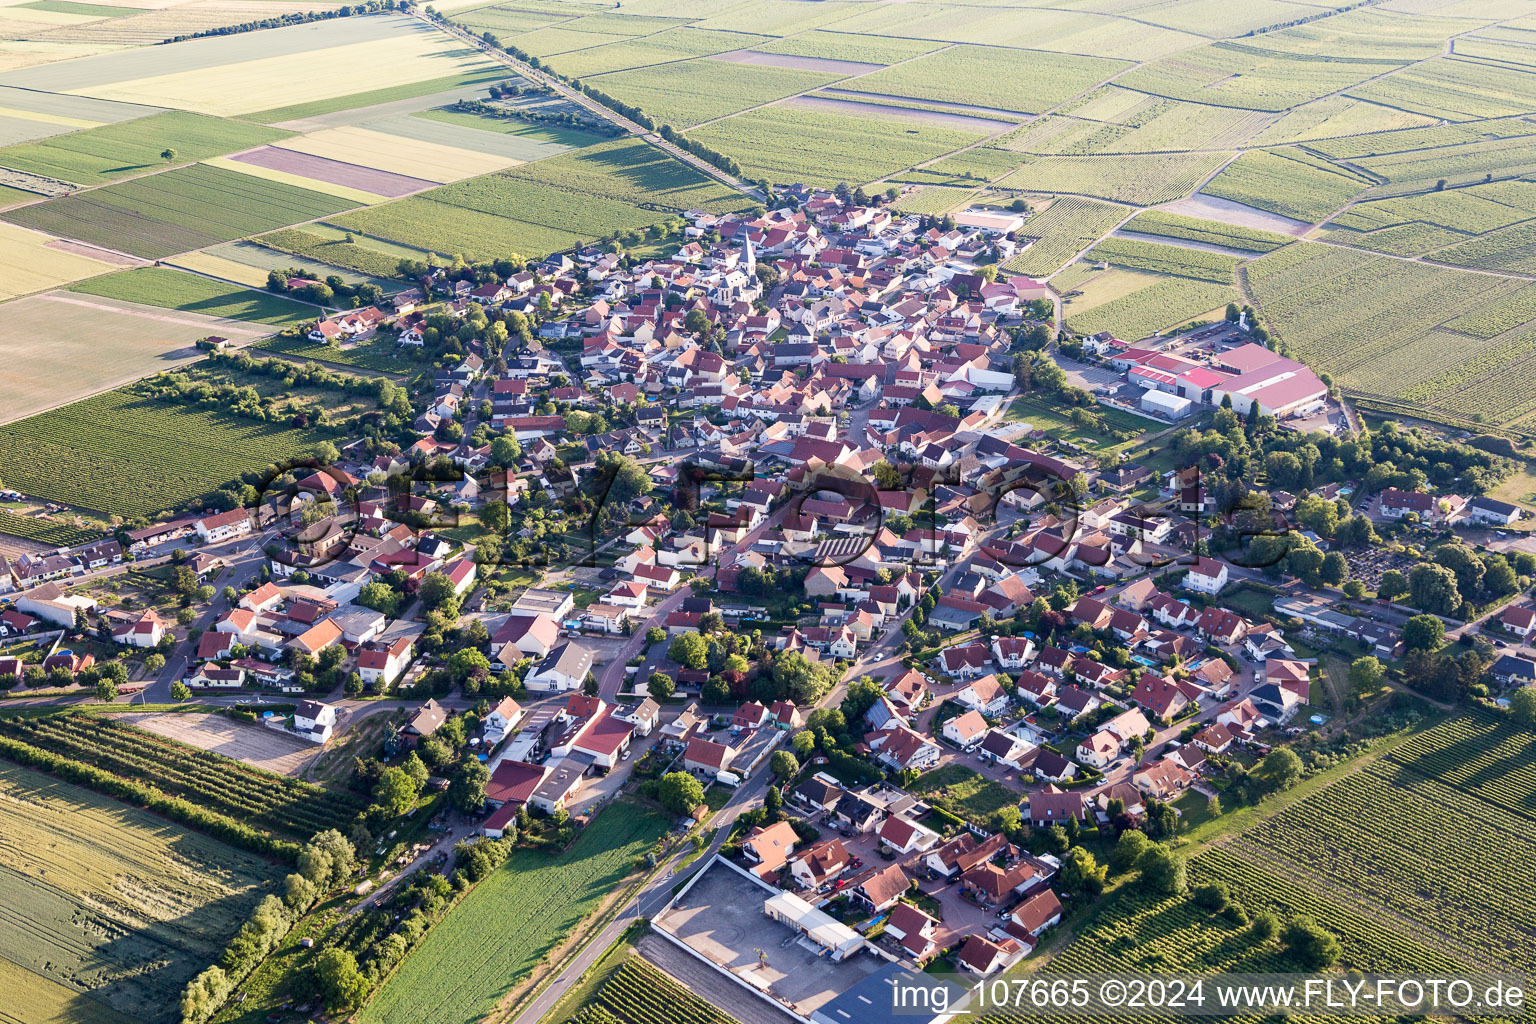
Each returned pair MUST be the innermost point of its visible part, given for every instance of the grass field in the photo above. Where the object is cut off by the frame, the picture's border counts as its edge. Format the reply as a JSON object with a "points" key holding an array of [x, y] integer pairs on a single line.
{"points": [[109, 911], [30, 262], [962, 791], [121, 453], [189, 293], [472, 82], [354, 256], [532, 903], [785, 144], [114, 151], [844, 46], [175, 211], [662, 48]]}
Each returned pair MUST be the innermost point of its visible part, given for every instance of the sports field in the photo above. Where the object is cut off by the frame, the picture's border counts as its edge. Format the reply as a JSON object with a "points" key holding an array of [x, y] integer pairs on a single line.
{"points": [[108, 910]]}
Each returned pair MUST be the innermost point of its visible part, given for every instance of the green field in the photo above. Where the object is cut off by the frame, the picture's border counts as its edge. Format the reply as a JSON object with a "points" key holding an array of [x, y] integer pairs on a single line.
{"points": [[1159, 306], [100, 155], [355, 256], [637, 993], [1418, 224], [991, 76], [472, 83], [1196, 229], [1374, 323], [1062, 230], [173, 289], [843, 46], [963, 792], [176, 211], [1172, 260], [786, 144], [44, 531], [1287, 183], [531, 904], [121, 453], [686, 93], [109, 910], [547, 206]]}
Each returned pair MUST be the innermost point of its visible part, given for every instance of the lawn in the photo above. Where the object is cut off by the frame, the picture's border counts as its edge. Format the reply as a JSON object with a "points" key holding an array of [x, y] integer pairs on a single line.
{"points": [[175, 211], [113, 151], [172, 289], [961, 791], [111, 910], [530, 905]]}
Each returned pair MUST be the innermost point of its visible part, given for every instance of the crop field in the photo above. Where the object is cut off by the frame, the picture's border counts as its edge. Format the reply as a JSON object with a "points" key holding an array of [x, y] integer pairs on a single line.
{"points": [[428, 93], [1172, 260], [174, 211], [1454, 89], [172, 289], [1160, 306], [1498, 316], [991, 76], [100, 155], [1196, 229], [505, 22], [1414, 225], [1237, 75], [638, 993], [414, 158], [354, 256], [44, 531], [1063, 229], [531, 903], [1142, 180], [267, 163], [544, 207], [780, 17], [108, 911], [30, 262], [535, 142], [936, 199], [1339, 118], [121, 453], [1480, 756], [412, 52], [1287, 184], [1370, 835], [1512, 249], [678, 44], [1432, 137], [843, 46], [273, 803], [689, 92], [785, 144], [1371, 322]]}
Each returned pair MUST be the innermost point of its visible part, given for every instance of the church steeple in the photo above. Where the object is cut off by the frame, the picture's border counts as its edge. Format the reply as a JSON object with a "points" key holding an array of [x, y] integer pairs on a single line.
{"points": [[751, 256]]}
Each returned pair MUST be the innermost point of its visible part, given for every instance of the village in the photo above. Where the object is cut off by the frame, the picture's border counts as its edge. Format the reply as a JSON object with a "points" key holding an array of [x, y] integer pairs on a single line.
{"points": [[812, 532]]}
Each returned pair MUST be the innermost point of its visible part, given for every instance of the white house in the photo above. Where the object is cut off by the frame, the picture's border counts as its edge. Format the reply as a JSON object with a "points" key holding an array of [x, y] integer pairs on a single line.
{"points": [[381, 664], [564, 668], [501, 719], [1207, 576], [966, 730], [314, 721], [144, 631], [224, 526], [986, 695]]}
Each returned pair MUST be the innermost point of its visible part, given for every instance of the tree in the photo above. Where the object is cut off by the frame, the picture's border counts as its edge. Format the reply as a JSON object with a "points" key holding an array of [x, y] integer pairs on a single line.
{"points": [[1128, 850], [327, 860], [205, 993], [783, 764], [1081, 873], [180, 691], [1280, 769], [1311, 943], [689, 650], [496, 516], [1161, 872], [1423, 632], [1433, 588], [660, 685], [154, 663], [436, 590], [106, 690], [168, 155], [1522, 705], [1265, 927], [380, 597], [395, 792], [679, 792], [337, 981], [505, 451], [1393, 585], [467, 789], [1366, 673]]}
